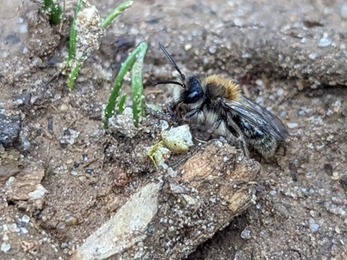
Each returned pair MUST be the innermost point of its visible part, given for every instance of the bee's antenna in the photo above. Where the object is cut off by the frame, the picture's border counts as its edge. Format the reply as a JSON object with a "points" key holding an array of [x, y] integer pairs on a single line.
{"points": [[169, 82], [173, 63]]}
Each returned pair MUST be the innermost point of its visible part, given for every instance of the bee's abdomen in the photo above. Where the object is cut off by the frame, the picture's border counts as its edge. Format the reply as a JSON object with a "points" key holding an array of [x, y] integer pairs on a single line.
{"points": [[263, 142]]}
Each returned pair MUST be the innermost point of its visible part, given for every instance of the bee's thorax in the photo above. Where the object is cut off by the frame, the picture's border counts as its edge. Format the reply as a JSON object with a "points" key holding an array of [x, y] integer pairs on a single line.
{"points": [[219, 86]]}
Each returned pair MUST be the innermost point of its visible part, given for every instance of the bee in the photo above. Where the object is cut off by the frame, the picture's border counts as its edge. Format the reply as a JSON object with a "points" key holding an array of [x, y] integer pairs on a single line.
{"points": [[218, 102]]}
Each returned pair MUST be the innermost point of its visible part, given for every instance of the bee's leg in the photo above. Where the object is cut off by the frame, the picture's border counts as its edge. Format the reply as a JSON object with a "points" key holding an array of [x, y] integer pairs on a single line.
{"points": [[192, 112], [241, 137], [158, 114], [231, 138], [171, 107]]}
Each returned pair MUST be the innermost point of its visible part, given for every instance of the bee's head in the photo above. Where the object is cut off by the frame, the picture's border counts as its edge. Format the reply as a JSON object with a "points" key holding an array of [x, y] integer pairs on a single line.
{"points": [[193, 92], [192, 87]]}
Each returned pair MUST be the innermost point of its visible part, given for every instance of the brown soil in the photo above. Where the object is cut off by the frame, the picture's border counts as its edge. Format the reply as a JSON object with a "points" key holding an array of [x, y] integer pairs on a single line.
{"points": [[88, 174]]}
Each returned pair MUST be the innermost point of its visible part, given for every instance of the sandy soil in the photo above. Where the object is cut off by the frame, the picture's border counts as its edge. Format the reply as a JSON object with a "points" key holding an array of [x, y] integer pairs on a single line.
{"points": [[62, 176]]}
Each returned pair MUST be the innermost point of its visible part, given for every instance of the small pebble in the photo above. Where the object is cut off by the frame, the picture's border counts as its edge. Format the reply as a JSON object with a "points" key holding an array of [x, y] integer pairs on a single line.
{"points": [[5, 247], [22, 99], [5, 238], [337, 230], [63, 108], [177, 139], [25, 145], [61, 226], [14, 228], [69, 137], [312, 56], [238, 22], [259, 82], [292, 125], [25, 219], [187, 47], [336, 176], [309, 174], [314, 227], [23, 28], [301, 112], [212, 49], [38, 193], [273, 193], [283, 113], [259, 100], [324, 42], [280, 92], [246, 234], [89, 171], [70, 220], [172, 172]]}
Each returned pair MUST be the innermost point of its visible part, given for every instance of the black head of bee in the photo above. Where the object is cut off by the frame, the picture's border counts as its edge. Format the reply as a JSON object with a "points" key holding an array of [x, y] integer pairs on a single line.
{"points": [[192, 89]]}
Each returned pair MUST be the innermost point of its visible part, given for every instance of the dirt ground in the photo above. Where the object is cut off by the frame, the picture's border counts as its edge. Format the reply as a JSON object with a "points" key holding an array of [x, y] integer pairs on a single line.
{"points": [[62, 176]]}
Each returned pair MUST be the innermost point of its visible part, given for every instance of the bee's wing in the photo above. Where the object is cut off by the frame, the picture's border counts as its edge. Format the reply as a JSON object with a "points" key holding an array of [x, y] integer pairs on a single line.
{"points": [[258, 116], [270, 118]]}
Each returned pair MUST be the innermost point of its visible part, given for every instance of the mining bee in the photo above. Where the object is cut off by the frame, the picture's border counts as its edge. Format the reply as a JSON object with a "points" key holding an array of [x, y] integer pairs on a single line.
{"points": [[218, 102]]}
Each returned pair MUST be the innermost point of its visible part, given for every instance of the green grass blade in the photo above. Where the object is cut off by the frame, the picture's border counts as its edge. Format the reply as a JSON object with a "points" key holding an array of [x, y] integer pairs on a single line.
{"points": [[73, 74], [121, 103], [137, 86], [53, 9], [119, 9], [127, 64], [73, 32]]}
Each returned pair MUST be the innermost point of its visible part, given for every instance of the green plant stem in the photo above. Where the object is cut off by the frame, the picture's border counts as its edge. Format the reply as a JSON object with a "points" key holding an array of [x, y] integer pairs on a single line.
{"points": [[53, 9], [121, 103], [73, 33], [75, 68], [119, 9], [127, 64], [137, 88]]}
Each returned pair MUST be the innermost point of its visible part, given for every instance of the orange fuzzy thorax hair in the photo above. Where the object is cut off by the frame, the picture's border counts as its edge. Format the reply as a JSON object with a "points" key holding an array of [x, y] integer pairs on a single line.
{"points": [[231, 90]]}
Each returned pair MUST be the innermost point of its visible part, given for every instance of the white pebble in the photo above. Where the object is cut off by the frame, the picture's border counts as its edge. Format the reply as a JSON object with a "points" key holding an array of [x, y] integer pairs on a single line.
{"points": [[14, 228], [5, 247], [187, 47], [25, 219], [259, 82], [212, 49], [292, 125], [172, 172], [260, 100], [280, 92], [246, 234], [273, 193], [312, 55], [324, 42], [38, 193], [314, 227]]}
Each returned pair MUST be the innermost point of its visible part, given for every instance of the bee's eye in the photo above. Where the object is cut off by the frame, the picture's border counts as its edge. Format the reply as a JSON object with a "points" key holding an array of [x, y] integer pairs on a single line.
{"points": [[189, 96], [193, 95]]}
